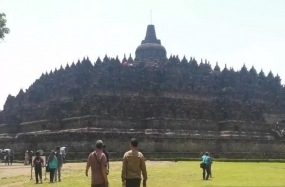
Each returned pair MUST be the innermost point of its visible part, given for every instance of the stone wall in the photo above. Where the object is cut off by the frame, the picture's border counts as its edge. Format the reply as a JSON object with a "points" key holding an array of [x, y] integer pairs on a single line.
{"points": [[158, 148], [159, 137]]}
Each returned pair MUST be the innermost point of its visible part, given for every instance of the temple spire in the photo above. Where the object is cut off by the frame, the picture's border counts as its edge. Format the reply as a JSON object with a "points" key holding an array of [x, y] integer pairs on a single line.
{"points": [[151, 17], [151, 36]]}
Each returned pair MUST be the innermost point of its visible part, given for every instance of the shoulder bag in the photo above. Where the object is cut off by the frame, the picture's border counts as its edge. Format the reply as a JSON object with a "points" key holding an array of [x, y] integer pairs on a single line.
{"points": [[99, 162]]}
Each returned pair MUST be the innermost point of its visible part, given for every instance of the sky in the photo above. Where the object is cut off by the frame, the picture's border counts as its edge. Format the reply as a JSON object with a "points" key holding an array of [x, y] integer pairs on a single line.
{"points": [[46, 34]]}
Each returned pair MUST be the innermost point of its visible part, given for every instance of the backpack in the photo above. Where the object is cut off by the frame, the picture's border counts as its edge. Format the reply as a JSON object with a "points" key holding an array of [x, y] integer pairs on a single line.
{"points": [[38, 163], [202, 165]]}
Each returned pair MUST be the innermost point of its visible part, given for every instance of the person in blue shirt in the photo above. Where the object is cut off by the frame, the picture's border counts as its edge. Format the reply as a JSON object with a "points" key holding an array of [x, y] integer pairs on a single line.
{"points": [[206, 160]]}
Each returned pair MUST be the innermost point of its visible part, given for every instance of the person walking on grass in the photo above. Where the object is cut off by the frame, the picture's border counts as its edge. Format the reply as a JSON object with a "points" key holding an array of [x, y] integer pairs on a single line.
{"points": [[52, 164], [133, 166], [57, 172], [98, 162], [206, 161], [38, 163]]}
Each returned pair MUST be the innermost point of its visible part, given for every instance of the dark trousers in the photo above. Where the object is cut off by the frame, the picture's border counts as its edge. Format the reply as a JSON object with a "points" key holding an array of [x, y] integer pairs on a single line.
{"points": [[7, 161], [11, 160], [98, 185], [133, 182], [38, 174], [51, 174], [206, 169]]}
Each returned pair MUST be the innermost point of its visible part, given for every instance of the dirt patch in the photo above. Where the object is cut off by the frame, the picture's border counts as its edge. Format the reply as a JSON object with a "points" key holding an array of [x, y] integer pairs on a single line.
{"points": [[17, 170], [14, 170]]}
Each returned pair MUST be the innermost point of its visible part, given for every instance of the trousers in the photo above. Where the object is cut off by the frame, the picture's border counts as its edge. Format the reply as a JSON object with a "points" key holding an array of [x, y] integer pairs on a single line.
{"points": [[133, 182], [206, 169], [51, 174], [57, 172], [7, 161], [38, 174]]}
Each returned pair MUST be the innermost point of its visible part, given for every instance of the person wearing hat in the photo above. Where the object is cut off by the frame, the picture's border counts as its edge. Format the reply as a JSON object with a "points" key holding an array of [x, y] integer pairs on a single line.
{"points": [[98, 162], [133, 166]]}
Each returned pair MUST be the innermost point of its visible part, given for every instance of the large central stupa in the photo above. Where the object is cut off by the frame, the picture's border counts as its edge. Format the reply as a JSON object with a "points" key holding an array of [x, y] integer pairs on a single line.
{"points": [[150, 47]]}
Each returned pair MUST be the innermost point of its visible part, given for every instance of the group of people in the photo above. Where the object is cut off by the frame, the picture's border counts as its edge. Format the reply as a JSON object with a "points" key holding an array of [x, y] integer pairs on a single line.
{"points": [[133, 166], [206, 165], [8, 157], [54, 165]]}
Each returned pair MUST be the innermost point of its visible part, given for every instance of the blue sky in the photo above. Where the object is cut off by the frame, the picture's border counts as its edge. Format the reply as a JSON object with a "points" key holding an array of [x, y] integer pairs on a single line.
{"points": [[46, 34]]}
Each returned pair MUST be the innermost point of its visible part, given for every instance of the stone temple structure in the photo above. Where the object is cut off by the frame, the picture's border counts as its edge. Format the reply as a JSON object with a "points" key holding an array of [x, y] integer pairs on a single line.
{"points": [[175, 107]]}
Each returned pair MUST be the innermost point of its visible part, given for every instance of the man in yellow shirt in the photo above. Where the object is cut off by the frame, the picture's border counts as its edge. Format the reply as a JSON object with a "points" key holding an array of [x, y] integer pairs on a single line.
{"points": [[133, 166]]}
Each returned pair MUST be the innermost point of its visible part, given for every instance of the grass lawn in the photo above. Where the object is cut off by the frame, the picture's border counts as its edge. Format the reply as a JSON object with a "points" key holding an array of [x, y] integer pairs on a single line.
{"points": [[170, 174]]}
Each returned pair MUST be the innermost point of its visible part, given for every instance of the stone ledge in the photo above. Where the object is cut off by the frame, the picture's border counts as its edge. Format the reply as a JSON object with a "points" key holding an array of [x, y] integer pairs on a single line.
{"points": [[87, 134], [122, 123]]}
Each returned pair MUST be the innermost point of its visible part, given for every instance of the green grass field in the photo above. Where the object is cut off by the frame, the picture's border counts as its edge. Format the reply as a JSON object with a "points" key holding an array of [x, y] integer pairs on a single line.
{"points": [[171, 174]]}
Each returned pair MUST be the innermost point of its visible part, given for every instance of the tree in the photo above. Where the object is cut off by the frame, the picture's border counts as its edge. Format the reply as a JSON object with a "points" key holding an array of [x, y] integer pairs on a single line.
{"points": [[3, 29]]}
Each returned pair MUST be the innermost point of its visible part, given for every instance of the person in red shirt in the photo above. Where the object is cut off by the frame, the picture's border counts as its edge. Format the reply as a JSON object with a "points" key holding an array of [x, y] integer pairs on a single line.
{"points": [[38, 163]]}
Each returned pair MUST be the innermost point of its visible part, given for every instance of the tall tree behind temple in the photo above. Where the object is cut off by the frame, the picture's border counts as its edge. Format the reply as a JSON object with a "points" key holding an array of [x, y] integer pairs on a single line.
{"points": [[3, 29]]}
